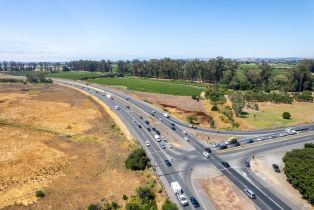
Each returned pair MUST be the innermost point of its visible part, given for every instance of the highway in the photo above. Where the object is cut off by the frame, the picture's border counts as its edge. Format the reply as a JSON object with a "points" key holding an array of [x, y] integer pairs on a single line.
{"points": [[183, 160]]}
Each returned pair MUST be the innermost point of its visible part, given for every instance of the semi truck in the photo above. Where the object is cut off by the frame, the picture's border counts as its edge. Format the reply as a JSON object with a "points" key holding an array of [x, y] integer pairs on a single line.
{"points": [[175, 186]]}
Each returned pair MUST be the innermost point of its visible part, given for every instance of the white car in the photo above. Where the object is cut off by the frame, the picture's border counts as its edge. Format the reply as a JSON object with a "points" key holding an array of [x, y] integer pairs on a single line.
{"points": [[163, 138], [206, 154], [163, 146], [147, 143], [157, 137], [169, 145], [186, 138], [184, 132], [117, 107]]}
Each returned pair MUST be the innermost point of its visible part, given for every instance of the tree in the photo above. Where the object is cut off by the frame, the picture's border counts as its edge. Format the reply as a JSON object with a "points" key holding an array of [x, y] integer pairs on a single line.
{"points": [[137, 160], [145, 194], [168, 205], [265, 73], [40, 194], [300, 77], [238, 103], [286, 115], [191, 119]]}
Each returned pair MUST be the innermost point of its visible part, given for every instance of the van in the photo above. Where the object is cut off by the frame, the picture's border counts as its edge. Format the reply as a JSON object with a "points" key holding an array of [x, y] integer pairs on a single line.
{"points": [[250, 193]]}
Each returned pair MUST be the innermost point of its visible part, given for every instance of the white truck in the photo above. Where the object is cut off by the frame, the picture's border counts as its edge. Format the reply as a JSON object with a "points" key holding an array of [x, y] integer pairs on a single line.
{"points": [[157, 138], [175, 186], [166, 115], [108, 95]]}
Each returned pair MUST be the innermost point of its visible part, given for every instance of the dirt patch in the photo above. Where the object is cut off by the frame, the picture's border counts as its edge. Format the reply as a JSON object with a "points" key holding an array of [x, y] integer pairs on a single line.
{"points": [[56, 139], [225, 195]]}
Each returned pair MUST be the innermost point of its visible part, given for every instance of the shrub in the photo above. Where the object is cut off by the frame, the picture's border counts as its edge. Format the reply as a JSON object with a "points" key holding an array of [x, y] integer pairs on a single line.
{"points": [[168, 205], [216, 94], [35, 77], [191, 119], [137, 160], [305, 96], [125, 197], [194, 97], [145, 194], [93, 207], [286, 115], [132, 206], [40, 194], [215, 108]]}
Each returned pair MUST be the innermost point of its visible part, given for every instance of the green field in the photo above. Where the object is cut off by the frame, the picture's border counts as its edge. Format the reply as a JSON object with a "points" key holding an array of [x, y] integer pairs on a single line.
{"points": [[74, 75], [153, 86]]}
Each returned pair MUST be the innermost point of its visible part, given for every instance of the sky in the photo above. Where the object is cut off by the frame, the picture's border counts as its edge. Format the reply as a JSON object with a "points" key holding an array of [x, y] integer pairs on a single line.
{"points": [[63, 30]]}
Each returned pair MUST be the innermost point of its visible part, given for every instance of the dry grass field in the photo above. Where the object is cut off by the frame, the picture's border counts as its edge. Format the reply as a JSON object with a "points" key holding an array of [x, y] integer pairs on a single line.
{"points": [[58, 140]]}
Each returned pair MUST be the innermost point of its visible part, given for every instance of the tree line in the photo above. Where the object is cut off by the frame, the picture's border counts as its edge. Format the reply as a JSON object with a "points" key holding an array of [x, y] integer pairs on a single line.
{"points": [[216, 71]]}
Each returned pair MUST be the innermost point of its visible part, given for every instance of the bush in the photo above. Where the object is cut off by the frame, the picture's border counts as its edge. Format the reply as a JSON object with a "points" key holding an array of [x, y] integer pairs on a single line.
{"points": [[125, 197], [93, 207], [145, 194], [191, 119], [286, 115], [137, 160], [216, 94], [215, 108], [168, 205], [132, 206], [40, 194], [194, 97], [36, 77], [305, 96]]}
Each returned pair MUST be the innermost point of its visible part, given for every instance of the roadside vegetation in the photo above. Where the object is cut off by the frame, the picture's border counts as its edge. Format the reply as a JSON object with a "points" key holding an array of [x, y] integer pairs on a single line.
{"points": [[299, 169]]}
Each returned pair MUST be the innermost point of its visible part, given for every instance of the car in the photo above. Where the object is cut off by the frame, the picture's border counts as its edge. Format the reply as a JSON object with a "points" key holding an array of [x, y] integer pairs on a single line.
{"points": [[215, 145], [154, 129], [192, 126], [226, 164], [173, 128], [186, 138], [128, 98], [96, 91], [163, 138], [236, 144], [169, 145], [127, 106], [157, 132], [250, 141], [223, 146], [153, 112], [182, 199], [247, 164], [207, 149], [206, 154], [148, 129], [276, 168], [141, 117], [172, 124], [194, 202], [227, 142], [139, 126], [146, 122], [250, 193], [157, 137], [184, 132], [117, 107], [168, 163], [147, 143], [163, 145]]}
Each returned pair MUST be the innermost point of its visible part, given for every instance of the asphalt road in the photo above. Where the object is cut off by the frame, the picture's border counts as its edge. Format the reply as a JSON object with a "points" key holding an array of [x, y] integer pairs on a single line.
{"points": [[179, 171]]}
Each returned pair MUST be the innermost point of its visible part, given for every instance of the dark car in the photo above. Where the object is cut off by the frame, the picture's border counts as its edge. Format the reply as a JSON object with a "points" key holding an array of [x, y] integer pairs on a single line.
{"points": [[194, 202], [250, 141], [148, 129], [139, 126], [173, 128], [157, 132], [208, 150], [223, 146], [236, 144], [154, 129], [146, 122], [140, 117], [128, 106], [226, 164], [247, 164], [152, 114], [172, 124], [168, 163], [276, 168]]}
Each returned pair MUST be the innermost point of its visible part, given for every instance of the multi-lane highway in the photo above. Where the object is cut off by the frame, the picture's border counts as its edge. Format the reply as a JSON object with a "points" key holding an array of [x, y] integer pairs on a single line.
{"points": [[134, 112]]}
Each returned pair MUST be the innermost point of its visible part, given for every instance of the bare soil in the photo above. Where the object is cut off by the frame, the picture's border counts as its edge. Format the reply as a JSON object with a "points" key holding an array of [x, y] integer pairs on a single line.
{"points": [[58, 140], [225, 195]]}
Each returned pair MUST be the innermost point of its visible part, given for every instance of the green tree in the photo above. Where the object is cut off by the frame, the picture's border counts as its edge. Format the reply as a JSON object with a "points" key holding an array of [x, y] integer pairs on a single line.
{"points": [[238, 103], [191, 119], [137, 160], [286, 115]]}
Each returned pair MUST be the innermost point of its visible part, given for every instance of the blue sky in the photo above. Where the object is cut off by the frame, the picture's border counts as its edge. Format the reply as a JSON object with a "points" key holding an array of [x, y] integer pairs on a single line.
{"points": [[60, 30]]}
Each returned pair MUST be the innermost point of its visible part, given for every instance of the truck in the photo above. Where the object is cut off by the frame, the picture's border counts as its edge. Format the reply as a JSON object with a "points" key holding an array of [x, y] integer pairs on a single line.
{"points": [[157, 138], [175, 186], [166, 115], [108, 95]]}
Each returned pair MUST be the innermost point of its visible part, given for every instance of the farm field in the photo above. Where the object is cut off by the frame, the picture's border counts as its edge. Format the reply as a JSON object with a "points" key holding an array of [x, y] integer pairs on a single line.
{"points": [[152, 86], [58, 140]]}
